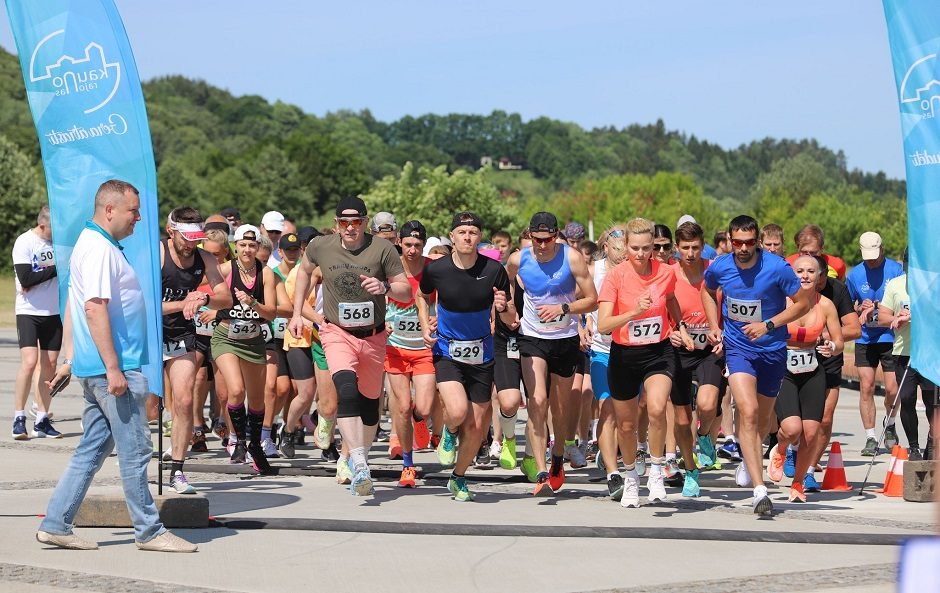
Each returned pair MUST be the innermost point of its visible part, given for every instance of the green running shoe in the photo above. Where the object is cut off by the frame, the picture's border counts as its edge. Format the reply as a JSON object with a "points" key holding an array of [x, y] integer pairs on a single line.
{"points": [[529, 469], [447, 449], [458, 487], [507, 457], [324, 433], [690, 488], [706, 451]]}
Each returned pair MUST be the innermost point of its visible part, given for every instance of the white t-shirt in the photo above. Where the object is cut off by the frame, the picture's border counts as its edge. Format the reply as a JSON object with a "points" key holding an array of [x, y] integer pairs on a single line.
{"points": [[100, 270], [42, 299]]}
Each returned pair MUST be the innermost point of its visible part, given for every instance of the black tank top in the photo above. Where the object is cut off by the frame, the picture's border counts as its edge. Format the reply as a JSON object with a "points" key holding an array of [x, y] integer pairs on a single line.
{"points": [[239, 311], [177, 283]]}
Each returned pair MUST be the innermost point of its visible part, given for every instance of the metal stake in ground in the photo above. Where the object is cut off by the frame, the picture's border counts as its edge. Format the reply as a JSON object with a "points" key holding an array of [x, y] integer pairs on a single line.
{"points": [[894, 406], [160, 446]]}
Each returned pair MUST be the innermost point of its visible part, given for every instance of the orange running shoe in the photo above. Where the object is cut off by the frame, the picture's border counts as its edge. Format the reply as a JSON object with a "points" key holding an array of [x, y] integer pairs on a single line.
{"points": [[422, 435], [797, 493], [775, 466], [394, 447], [556, 476], [542, 485], [435, 441], [407, 479]]}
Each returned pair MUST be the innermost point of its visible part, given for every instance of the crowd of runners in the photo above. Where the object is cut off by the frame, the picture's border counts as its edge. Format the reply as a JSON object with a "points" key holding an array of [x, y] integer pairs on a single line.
{"points": [[648, 353]]}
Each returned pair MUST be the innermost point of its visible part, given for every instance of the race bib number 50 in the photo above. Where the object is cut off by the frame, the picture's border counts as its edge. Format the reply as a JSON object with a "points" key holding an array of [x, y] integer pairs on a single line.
{"points": [[357, 314], [467, 351], [745, 311]]}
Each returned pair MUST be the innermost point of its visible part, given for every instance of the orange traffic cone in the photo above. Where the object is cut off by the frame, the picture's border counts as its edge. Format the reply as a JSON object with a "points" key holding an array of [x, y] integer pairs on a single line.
{"points": [[895, 487], [891, 463], [834, 479]]}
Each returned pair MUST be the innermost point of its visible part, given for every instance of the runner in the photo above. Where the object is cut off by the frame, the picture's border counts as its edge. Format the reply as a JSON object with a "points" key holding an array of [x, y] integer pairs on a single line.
{"points": [[708, 252], [802, 398], [704, 364], [182, 268], [810, 240], [272, 229], [38, 325], [866, 283], [755, 287], [895, 312], [550, 273], [358, 271], [408, 361], [771, 239], [238, 347], [663, 248], [574, 234], [503, 241], [507, 378], [469, 287], [637, 302]]}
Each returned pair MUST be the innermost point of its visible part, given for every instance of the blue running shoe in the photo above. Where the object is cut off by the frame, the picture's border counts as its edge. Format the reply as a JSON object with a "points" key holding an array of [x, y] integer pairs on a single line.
{"points": [[45, 429], [19, 429], [730, 450], [362, 482], [706, 451], [690, 488], [789, 464], [810, 484]]}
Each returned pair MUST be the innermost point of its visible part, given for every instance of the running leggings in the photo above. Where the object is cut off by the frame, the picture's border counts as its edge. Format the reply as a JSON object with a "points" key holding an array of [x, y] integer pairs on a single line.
{"points": [[908, 395]]}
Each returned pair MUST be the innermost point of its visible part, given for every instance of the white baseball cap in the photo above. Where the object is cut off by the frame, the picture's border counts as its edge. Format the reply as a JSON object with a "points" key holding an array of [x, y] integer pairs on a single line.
{"points": [[870, 244], [246, 229], [684, 219], [273, 221]]}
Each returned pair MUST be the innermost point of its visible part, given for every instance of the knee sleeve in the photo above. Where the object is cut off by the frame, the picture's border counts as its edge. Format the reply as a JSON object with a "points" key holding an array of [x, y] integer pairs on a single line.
{"points": [[347, 394], [369, 410]]}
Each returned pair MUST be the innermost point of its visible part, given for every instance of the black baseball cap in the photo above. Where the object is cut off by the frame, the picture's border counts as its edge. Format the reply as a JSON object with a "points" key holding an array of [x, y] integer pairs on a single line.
{"points": [[543, 222], [307, 233], [466, 218], [351, 203], [231, 212], [289, 241], [413, 229]]}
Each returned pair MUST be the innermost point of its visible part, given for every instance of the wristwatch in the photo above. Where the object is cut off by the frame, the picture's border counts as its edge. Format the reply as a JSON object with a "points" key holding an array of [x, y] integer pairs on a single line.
{"points": [[387, 286], [565, 308], [770, 325]]}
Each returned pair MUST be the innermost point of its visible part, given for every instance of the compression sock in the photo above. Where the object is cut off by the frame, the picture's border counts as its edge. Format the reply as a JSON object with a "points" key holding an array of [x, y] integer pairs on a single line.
{"points": [[255, 420], [508, 425], [407, 459], [239, 419]]}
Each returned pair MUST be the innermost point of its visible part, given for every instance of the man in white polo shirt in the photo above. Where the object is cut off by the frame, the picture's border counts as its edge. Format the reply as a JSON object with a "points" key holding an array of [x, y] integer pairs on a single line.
{"points": [[108, 322]]}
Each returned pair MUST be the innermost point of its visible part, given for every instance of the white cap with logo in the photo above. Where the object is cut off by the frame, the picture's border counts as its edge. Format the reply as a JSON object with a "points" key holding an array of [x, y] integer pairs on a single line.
{"points": [[870, 244], [684, 219], [273, 221]]}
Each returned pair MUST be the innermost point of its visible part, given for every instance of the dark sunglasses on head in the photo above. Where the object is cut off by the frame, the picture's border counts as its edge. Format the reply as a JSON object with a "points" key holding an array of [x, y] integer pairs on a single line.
{"points": [[743, 242]]}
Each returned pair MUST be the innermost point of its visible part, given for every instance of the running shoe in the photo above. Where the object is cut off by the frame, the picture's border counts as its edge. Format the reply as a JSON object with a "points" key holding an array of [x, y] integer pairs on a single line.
{"points": [[330, 454], [229, 446], [361, 484], [730, 450], [45, 430], [810, 484], [198, 442], [496, 447], [458, 487], [168, 455], [270, 451], [592, 451], [323, 435], [447, 450], [529, 468], [259, 459], [715, 466], [382, 435], [180, 484], [575, 456], [631, 490], [19, 429], [891, 437], [654, 483], [797, 492], [741, 476], [422, 436], [642, 459], [394, 447], [556, 477], [789, 464], [775, 465], [670, 468], [706, 451], [761, 503], [407, 479], [482, 459], [435, 441], [220, 429], [585, 448], [769, 443], [33, 411], [599, 462], [542, 485], [239, 452], [914, 454], [287, 443], [343, 473], [690, 487], [168, 428], [871, 447], [507, 454], [548, 449], [615, 486]]}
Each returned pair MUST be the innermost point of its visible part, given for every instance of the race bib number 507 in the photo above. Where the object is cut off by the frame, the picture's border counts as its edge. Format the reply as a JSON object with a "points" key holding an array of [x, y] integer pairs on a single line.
{"points": [[743, 310]]}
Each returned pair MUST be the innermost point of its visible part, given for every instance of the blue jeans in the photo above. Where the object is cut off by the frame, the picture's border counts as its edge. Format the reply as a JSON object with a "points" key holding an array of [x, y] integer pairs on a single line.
{"points": [[108, 421]]}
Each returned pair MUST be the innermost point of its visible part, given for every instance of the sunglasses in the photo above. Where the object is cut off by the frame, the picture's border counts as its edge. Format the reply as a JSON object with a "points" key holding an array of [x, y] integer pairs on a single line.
{"points": [[355, 222], [743, 242], [663, 247], [617, 234], [544, 240]]}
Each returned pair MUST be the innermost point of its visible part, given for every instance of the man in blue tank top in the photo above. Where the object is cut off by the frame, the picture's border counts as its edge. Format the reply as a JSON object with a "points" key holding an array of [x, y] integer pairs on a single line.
{"points": [[551, 273]]}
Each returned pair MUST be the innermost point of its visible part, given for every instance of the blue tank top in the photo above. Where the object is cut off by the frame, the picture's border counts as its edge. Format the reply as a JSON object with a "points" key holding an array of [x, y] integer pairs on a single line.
{"points": [[547, 283]]}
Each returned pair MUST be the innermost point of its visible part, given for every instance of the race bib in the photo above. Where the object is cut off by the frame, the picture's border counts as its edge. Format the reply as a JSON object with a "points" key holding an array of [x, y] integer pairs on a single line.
{"points": [[648, 330], [802, 361], [266, 334], [873, 320], [699, 335], [556, 322], [43, 259], [745, 311], [240, 329], [467, 351], [203, 329], [905, 305], [512, 348], [279, 325], [357, 314], [407, 328], [173, 348]]}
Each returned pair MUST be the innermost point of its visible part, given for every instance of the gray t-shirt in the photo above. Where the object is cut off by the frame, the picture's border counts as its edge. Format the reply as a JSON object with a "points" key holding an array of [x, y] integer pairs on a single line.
{"points": [[345, 302]]}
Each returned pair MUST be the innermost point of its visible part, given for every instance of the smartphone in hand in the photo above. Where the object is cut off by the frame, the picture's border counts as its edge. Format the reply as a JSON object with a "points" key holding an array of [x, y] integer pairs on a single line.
{"points": [[63, 382]]}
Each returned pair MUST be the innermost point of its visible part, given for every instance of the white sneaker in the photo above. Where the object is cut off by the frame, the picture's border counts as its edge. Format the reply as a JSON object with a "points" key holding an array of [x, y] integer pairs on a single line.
{"points": [[269, 449], [343, 473], [33, 411], [741, 476], [631, 490], [761, 503], [495, 449], [575, 457], [180, 484], [168, 455], [656, 487]]}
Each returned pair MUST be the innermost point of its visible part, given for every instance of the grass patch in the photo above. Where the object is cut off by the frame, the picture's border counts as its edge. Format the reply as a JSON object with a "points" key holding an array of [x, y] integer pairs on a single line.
{"points": [[7, 301]]}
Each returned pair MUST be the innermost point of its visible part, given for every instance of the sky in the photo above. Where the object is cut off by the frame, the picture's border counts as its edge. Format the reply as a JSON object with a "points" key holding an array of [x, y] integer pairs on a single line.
{"points": [[728, 72]]}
